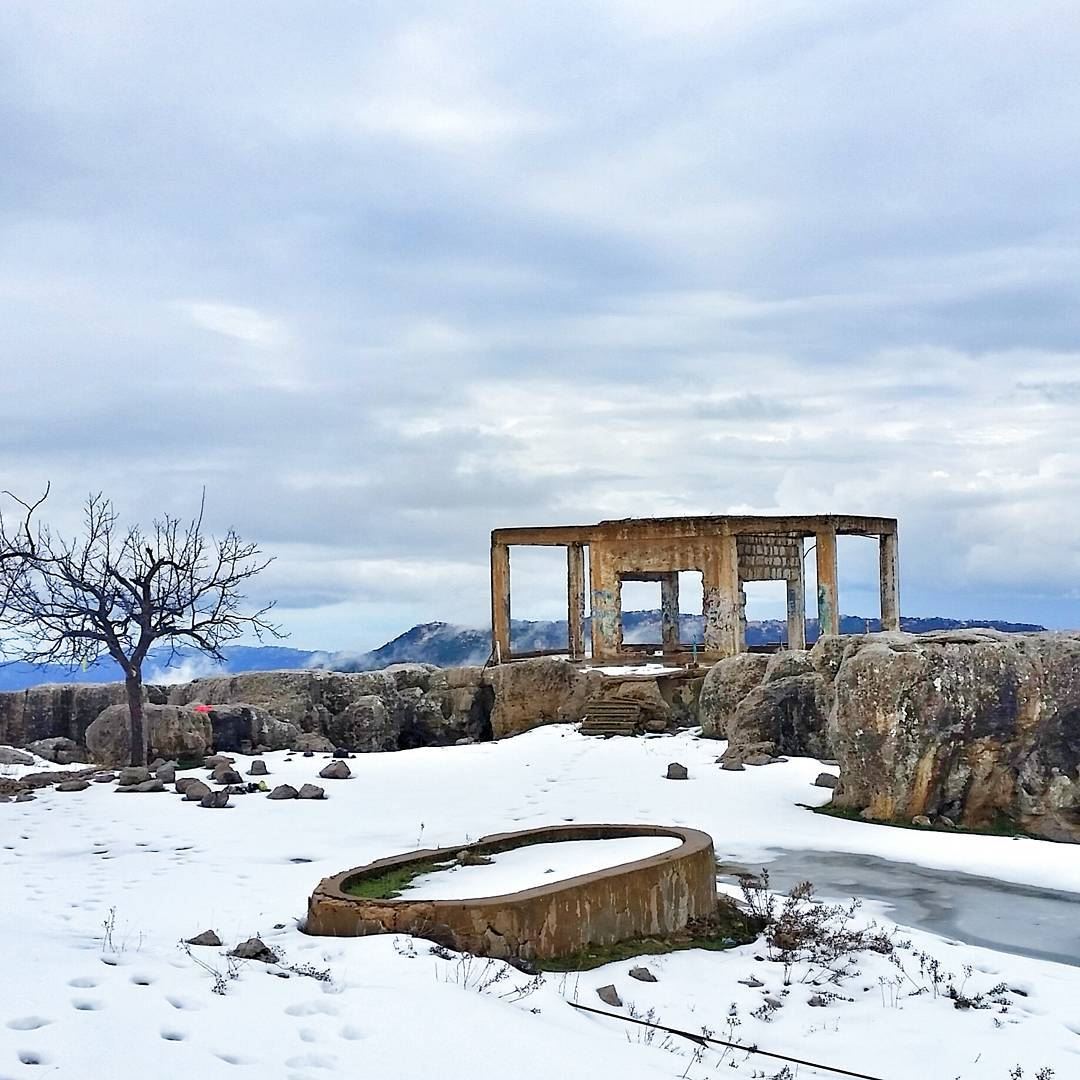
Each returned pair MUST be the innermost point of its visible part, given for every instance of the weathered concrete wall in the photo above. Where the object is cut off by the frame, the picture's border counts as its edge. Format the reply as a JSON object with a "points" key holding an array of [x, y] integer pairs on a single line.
{"points": [[656, 896]]}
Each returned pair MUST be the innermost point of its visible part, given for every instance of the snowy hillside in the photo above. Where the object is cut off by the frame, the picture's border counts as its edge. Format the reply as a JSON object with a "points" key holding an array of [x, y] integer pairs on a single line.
{"points": [[98, 893]]}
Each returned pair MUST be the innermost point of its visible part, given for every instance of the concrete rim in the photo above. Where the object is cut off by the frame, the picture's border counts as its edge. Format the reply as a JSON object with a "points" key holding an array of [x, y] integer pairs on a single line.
{"points": [[693, 842]]}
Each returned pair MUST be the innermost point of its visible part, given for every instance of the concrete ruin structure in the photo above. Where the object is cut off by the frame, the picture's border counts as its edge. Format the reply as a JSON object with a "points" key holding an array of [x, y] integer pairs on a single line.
{"points": [[726, 550]]}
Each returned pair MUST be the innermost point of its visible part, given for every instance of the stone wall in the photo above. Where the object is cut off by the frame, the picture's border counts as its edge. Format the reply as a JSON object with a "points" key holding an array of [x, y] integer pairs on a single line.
{"points": [[769, 558]]}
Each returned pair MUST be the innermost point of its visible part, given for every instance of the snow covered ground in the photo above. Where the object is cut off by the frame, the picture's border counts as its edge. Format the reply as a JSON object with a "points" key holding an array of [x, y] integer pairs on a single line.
{"points": [[530, 867], [98, 889]]}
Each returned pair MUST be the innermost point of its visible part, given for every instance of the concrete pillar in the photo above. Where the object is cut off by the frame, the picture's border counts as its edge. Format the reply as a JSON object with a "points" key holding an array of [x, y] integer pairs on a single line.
{"points": [[575, 592], [500, 600], [606, 611], [720, 579], [888, 551], [828, 600], [669, 611], [796, 610]]}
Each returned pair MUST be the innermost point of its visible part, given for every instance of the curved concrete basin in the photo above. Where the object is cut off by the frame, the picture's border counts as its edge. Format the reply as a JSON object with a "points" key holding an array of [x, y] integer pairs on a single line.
{"points": [[650, 897]]}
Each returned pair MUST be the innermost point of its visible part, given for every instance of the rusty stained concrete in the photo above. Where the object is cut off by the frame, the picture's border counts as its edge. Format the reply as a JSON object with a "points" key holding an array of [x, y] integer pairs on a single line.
{"points": [[726, 550], [652, 897]]}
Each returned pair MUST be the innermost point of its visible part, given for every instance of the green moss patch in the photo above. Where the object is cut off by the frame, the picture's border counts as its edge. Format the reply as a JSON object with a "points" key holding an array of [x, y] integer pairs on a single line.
{"points": [[724, 930], [1001, 825], [393, 881]]}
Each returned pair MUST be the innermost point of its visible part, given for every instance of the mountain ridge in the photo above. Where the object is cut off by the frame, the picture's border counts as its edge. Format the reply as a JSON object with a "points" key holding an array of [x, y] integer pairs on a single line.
{"points": [[442, 644]]}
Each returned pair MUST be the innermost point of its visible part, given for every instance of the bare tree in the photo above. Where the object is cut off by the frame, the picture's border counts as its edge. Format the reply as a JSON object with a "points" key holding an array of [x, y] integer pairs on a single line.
{"points": [[118, 592]]}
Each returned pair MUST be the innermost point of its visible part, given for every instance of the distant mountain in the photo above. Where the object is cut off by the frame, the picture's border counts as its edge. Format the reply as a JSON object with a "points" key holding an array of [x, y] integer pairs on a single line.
{"points": [[442, 644]]}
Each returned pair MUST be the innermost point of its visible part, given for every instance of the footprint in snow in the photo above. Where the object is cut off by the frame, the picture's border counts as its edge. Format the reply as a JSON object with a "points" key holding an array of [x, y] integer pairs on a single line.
{"points": [[172, 1035], [86, 1004], [83, 981], [311, 1061], [312, 1008], [28, 1023]]}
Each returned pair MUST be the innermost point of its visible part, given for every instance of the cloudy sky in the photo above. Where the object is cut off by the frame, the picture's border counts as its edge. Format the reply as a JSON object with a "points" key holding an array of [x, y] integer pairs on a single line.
{"points": [[384, 276]]}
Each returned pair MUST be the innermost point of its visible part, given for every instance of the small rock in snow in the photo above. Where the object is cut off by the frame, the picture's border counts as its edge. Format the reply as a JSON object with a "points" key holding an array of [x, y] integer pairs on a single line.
{"points": [[642, 974], [336, 770], [826, 780], [311, 791], [255, 949], [675, 771], [609, 995], [753, 983], [214, 800], [73, 785], [733, 766], [258, 768], [283, 791], [207, 937]]}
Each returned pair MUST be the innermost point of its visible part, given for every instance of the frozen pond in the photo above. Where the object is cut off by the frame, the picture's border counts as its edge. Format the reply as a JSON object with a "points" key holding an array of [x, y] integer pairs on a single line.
{"points": [[1021, 919], [537, 864]]}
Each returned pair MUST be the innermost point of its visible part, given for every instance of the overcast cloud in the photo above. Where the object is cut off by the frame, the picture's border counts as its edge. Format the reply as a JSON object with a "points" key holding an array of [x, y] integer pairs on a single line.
{"points": [[385, 276]]}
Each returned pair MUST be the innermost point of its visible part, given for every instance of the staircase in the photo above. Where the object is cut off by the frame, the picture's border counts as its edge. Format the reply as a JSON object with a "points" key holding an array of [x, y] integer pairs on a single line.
{"points": [[612, 717]]}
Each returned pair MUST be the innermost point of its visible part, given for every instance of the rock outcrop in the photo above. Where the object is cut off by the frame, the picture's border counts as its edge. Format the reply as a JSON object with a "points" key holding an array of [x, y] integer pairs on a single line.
{"points": [[400, 707], [972, 727], [768, 705], [977, 727], [59, 711], [531, 693]]}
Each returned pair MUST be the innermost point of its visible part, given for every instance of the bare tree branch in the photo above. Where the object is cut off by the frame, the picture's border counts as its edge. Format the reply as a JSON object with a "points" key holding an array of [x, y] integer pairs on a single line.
{"points": [[116, 593]]}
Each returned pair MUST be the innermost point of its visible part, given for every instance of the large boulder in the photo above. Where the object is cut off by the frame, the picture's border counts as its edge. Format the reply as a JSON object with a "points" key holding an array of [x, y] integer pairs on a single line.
{"points": [[545, 690], [60, 750], [728, 681], [977, 726], [174, 732]]}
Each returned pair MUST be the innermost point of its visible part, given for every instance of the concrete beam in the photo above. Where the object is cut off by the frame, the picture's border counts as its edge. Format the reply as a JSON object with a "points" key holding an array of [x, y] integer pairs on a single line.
{"points": [[669, 611], [888, 558], [500, 600], [828, 599], [575, 592]]}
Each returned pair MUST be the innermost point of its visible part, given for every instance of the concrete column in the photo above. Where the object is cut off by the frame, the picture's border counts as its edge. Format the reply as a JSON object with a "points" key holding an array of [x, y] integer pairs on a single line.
{"points": [[888, 551], [606, 612], [828, 600], [669, 611], [720, 576], [575, 592], [500, 600], [796, 610]]}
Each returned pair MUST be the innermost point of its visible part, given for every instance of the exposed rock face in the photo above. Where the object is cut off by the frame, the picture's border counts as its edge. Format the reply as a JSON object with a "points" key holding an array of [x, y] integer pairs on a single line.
{"points": [[48, 712], [767, 705], [400, 707], [173, 732], [531, 693], [726, 684], [965, 725]]}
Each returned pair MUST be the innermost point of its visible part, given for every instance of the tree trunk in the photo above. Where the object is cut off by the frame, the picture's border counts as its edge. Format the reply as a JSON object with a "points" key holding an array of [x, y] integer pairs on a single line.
{"points": [[133, 684]]}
